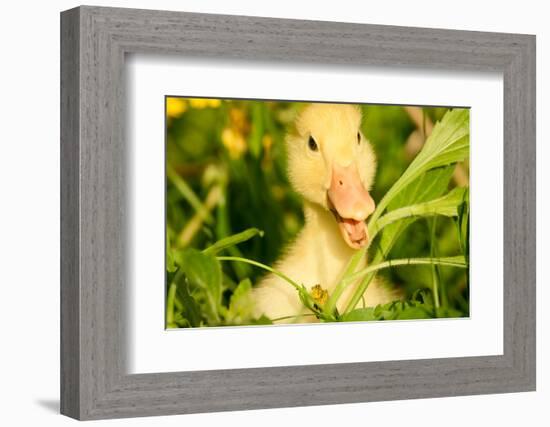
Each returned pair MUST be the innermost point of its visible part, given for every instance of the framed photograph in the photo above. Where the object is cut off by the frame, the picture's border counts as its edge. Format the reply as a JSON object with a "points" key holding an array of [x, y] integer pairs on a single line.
{"points": [[262, 213], [236, 174]]}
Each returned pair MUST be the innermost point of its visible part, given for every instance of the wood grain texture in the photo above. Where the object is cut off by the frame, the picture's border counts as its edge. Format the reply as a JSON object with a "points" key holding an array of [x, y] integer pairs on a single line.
{"points": [[94, 270], [70, 292]]}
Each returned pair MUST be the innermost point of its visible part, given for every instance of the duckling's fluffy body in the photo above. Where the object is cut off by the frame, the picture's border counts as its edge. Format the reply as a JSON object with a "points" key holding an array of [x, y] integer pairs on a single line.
{"points": [[332, 166]]}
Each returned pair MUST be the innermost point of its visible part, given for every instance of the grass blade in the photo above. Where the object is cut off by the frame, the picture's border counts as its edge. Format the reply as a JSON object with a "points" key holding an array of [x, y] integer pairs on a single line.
{"points": [[188, 194], [235, 239]]}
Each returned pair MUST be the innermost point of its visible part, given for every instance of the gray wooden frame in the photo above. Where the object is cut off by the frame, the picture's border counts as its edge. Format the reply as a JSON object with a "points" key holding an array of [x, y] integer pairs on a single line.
{"points": [[94, 41]]}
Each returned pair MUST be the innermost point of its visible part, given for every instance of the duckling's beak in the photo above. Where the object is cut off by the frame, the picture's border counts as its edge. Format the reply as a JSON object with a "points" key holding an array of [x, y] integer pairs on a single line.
{"points": [[351, 204]]}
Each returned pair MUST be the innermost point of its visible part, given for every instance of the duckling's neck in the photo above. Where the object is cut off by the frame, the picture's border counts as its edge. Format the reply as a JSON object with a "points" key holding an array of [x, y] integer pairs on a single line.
{"points": [[321, 235], [318, 217]]}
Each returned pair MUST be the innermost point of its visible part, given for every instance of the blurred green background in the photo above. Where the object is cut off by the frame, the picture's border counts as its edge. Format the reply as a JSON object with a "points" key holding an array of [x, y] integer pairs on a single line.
{"points": [[226, 172]]}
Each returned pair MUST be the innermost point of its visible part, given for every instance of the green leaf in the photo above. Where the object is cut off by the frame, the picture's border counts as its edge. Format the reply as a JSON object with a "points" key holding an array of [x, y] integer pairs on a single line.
{"points": [[422, 296], [191, 310], [235, 239], [447, 205], [359, 315], [426, 187], [464, 225], [430, 185], [418, 307], [182, 322], [241, 304], [203, 271], [262, 320], [170, 265], [414, 312], [449, 143]]}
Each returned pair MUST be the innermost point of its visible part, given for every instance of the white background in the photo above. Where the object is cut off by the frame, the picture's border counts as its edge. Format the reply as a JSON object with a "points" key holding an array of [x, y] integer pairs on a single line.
{"points": [[154, 350], [29, 218]]}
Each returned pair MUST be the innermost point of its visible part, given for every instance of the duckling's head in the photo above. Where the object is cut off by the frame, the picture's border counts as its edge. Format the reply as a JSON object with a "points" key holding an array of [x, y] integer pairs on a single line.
{"points": [[331, 164]]}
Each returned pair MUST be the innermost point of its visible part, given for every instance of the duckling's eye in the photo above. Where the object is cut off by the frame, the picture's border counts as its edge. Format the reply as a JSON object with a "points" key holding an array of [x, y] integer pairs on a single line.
{"points": [[358, 138], [312, 144]]}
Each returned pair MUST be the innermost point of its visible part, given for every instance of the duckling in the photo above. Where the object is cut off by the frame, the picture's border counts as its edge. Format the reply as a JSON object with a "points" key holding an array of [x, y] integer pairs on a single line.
{"points": [[332, 166]]}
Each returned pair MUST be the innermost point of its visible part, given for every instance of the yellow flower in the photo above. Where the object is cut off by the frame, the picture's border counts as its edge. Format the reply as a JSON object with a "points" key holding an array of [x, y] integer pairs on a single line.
{"points": [[267, 142], [319, 295], [214, 103], [238, 119], [204, 103], [234, 142], [175, 107]]}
